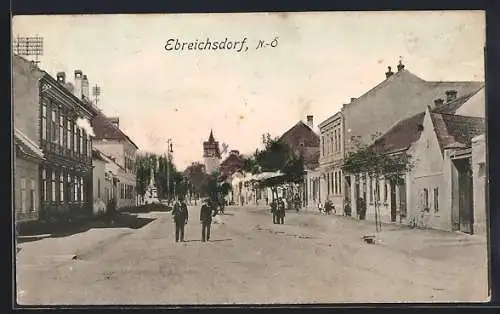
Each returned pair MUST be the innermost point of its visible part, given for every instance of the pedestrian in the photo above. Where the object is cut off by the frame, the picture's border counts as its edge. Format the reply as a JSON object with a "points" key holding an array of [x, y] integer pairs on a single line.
{"points": [[274, 211], [320, 207], [206, 220], [181, 216], [281, 212]]}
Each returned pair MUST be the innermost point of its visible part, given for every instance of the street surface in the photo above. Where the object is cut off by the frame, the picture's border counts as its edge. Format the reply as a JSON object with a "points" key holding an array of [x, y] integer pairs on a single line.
{"points": [[312, 258]]}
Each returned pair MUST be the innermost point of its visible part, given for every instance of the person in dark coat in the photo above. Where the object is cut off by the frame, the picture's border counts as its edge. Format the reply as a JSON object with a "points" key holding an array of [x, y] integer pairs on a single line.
{"points": [[206, 220], [281, 212], [181, 216], [274, 211]]}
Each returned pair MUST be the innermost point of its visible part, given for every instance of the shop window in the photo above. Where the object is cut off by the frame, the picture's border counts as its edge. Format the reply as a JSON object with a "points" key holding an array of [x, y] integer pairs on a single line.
{"points": [[61, 187], [44, 185]]}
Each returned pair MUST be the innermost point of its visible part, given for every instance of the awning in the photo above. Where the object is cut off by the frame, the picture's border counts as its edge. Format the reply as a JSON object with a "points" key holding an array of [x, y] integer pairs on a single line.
{"points": [[265, 175], [26, 145]]}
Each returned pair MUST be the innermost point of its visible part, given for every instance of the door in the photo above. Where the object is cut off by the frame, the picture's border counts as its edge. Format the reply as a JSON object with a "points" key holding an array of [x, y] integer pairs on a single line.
{"points": [[393, 202], [402, 201], [465, 195]]}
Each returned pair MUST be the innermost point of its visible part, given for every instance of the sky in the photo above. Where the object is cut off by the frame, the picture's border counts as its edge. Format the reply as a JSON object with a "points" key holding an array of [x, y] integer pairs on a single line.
{"points": [[319, 61]]}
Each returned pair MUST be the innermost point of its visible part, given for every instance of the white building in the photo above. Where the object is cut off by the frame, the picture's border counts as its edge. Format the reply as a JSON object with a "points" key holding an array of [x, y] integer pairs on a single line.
{"points": [[121, 150]]}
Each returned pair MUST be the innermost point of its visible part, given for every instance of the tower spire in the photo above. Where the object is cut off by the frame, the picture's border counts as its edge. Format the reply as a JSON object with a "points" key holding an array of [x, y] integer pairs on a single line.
{"points": [[211, 137]]}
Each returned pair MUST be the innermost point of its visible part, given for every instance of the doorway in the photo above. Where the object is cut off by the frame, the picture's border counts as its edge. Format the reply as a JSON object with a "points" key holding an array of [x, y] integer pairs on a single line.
{"points": [[393, 202], [402, 202], [463, 196]]}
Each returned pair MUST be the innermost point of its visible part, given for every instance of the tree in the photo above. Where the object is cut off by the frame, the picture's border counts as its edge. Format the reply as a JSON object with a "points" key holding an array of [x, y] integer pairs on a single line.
{"points": [[376, 164], [196, 177], [277, 156]]}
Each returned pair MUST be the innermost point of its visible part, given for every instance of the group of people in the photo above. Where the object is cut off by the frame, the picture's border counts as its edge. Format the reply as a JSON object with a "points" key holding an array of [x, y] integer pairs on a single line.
{"points": [[180, 216], [278, 210]]}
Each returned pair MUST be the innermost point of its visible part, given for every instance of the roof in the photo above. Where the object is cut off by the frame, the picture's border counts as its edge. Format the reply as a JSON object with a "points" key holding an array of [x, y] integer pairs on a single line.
{"points": [[400, 136], [299, 134], [26, 145], [454, 131], [104, 129], [453, 106], [98, 155]]}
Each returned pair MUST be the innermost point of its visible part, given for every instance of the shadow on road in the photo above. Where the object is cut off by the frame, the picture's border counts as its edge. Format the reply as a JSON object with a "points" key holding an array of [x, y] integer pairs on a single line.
{"points": [[146, 209], [120, 220]]}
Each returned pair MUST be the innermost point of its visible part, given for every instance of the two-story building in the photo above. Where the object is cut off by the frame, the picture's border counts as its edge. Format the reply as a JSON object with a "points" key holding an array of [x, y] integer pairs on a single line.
{"points": [[331, 159], [62, 132], [116, 145]]}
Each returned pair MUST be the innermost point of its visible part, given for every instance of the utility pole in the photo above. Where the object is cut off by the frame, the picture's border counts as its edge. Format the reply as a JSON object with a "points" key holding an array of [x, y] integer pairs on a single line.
{"points": [[169, 151]]}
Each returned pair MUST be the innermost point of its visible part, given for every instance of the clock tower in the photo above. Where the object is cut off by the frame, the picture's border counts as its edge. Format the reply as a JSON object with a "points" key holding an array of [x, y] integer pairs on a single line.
{"points": [[211, 154]]}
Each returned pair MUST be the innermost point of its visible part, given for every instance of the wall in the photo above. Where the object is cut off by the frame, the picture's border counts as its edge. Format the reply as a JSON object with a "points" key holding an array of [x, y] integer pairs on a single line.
{"points": [[25, 98], [211, 164], [113, 148], [400, 96], [99, 182], [479, 172], [474, 107], [29, 171], [428, 173]]}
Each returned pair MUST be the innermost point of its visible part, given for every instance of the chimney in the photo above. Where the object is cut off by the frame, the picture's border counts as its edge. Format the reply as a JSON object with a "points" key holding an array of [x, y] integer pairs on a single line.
{"points": [[310, 121], [115, 121], [451, 95], [77, 90], [438, 102], [389, 73], [61, 77], [353, 99], [85, 88], [401, 66]]}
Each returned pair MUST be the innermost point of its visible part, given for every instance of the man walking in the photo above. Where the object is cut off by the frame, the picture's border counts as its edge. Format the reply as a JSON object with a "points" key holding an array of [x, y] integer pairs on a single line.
{"points": [[206, 220], [181, 216]]}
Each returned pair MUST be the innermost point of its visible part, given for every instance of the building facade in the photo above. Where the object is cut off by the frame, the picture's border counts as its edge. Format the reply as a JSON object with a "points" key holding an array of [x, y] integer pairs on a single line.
{"points": [[331, 159], [121, 150], [27, 159], [400, 95], [211, 154], [65, 175]]}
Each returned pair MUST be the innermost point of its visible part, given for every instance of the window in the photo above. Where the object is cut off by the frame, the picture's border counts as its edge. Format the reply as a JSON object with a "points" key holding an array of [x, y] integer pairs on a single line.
{"points": [[81, 136], [83, 143], [68, 136], [61, 187], [89, 146], [340, 182], [44, 185], [53, 186], [426, 199], [98, 187], [371, 189], [331, 142], [32, 196], [44, 122], [69, 193], [323, 145], [53, 127], [75, 188], [75, 138], [436, 200], [335, 140], [61, 130], [23, 195], [385, 191], [336, 183], [328, 183], [81, 190]]}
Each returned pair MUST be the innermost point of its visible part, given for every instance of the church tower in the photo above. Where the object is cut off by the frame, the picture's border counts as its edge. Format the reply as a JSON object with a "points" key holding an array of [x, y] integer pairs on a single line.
{"points": [[211, 154]]}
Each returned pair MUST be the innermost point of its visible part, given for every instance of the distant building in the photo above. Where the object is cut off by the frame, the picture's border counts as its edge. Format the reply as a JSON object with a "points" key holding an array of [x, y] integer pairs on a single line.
{"points": [[49, 116], [304, 141], [211, 154], [116, 145], [233, 163]]}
